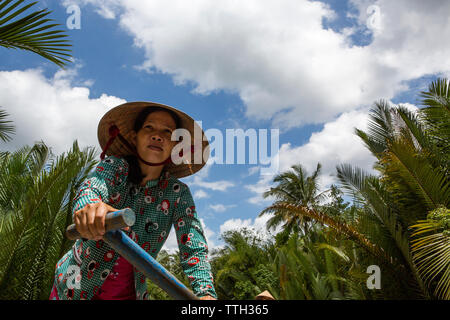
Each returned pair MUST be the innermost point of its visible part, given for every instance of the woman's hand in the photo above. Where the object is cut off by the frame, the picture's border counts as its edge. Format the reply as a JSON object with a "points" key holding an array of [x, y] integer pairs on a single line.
{"points": [[90, 221], [207, 298]]}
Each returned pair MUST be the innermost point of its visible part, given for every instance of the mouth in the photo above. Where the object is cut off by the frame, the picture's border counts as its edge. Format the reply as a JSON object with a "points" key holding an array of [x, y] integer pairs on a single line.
{"points": [[155, 148]]}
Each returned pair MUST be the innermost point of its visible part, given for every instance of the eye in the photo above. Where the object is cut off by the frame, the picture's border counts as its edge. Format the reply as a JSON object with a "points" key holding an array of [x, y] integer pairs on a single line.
{"points": [[149, 126]]}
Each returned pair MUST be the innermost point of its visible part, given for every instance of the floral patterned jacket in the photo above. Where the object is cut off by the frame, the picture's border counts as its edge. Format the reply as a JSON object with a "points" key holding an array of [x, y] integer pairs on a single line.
{"points": [[158, 205]]}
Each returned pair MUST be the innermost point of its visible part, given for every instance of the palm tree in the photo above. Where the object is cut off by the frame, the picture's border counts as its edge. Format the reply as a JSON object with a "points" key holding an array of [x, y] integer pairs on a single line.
{"points": [[412, 160], [36, 188], [36, 194], [430, 239], [410, 184], [33, 32], [296, 188]]}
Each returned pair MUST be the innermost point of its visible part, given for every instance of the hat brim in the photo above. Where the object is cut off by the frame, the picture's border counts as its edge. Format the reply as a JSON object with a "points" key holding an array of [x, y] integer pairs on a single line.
{"points": [[124, 116]]}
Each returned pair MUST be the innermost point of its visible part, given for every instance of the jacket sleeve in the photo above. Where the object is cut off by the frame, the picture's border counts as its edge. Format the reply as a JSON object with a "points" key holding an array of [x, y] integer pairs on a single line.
{"points": [[102, 183], [192, 245]]}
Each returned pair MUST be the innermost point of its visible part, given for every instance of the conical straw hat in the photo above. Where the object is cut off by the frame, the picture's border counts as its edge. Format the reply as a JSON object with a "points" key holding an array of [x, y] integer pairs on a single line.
{"points": [[124, 116], [265, 296]]}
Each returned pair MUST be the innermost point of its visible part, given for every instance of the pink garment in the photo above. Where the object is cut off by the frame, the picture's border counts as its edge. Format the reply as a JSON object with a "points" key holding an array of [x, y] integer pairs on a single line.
{"points": [[119, 285], [54, 294]]}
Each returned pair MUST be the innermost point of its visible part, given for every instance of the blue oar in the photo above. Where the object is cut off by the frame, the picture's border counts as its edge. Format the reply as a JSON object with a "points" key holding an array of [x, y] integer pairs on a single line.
{"points": [[137, 256]]}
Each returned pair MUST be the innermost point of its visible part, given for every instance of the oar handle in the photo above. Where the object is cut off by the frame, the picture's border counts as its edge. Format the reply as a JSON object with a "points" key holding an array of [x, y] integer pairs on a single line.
{"points": [[113, 221]]}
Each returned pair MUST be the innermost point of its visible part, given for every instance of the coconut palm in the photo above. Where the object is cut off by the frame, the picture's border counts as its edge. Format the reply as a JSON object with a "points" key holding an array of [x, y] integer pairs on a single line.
{"points": [[33, 32], [36, 194], [296, 188]]}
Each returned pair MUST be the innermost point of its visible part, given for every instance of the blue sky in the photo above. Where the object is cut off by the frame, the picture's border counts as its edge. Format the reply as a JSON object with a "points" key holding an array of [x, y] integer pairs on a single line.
{"points": [[310, 69]]}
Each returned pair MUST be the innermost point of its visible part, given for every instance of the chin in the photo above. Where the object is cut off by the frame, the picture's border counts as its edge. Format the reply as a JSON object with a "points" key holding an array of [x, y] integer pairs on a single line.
{"points": [[154, 158]]}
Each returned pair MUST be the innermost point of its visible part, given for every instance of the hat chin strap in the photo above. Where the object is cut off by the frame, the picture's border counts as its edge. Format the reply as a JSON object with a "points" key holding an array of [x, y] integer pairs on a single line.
{"points": [[115, 132]]}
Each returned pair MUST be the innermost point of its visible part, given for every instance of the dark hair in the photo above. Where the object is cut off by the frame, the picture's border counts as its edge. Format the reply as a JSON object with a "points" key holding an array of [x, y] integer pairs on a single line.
{"points": [[134, 173]]}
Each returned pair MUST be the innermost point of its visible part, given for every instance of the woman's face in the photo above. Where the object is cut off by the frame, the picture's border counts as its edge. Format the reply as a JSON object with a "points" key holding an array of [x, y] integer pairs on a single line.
{"points": [[153, 140]]}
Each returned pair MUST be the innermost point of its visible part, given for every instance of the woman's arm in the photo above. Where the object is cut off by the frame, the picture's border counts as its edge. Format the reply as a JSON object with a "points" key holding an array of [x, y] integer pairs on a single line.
{"points": [[193, 246]]}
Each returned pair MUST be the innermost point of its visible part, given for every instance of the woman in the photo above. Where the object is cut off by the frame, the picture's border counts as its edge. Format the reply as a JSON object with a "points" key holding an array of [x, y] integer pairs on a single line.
{"points": [[139, 174]]}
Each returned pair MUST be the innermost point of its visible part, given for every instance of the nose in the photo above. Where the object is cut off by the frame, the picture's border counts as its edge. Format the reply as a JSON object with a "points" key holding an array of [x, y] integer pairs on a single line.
{"points": [[157, 137]]}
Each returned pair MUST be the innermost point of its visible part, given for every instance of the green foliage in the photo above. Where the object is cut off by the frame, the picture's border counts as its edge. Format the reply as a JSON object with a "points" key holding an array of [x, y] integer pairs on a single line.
{"points": [[241, 268], [412, 151], [32, 32], [36, 192], [172, 264], [300, 268], [297, 188], [399, 219], [6, 128], [431, 250], [436, 117]]}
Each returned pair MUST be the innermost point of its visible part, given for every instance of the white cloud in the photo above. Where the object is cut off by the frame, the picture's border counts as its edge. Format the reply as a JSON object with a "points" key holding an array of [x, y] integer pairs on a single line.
{"points": [[200, 194], [278, 57], [51, 109], [235, 224], [220, 185], [221, 207], [257, 225], [258, 189], [253, 170], [335, 144], [410, 107]]}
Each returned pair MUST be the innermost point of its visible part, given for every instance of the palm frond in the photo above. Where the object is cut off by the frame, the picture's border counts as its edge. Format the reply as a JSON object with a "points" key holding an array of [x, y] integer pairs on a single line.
{"points": [[32, 32], [392, 222], [6, 128], [381, 126], [338, 226], [428, 183], [375, 146], [438, 98], [430, 247], [436, 116], [33, 230]]}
